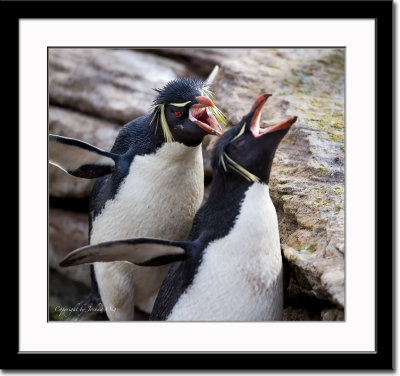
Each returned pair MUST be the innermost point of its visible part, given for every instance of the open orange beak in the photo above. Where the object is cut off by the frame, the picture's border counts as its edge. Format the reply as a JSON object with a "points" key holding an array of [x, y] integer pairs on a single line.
{"points": [[255, 119], [202, 116]]}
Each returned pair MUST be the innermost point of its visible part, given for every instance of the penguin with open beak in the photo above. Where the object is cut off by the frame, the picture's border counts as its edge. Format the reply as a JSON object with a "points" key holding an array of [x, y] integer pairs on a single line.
{"points": [[230, 266], [150, 185]]}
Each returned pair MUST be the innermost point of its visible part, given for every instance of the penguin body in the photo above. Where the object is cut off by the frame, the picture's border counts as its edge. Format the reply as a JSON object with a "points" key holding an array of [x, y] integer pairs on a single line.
{"points": [[151, 185], [233, 281], [158, 198], [230, 266]]}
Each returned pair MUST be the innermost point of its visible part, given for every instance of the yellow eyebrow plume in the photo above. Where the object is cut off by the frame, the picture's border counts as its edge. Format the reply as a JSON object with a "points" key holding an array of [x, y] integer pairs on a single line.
{"points": [[241, 170], [159, 113], [164, 124], [240, 133], [180, 104]]}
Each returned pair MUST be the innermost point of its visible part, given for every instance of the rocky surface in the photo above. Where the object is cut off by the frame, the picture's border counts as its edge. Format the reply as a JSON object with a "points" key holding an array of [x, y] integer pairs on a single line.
{"points": [[200, 61], [93, 92], [68, 231], [112, 84], [64, 295], [300, 314]]}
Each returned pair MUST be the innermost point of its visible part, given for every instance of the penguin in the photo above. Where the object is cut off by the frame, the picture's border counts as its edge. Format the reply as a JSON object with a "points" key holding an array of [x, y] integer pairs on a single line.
{"points": [[149, 185], [230, 266]]}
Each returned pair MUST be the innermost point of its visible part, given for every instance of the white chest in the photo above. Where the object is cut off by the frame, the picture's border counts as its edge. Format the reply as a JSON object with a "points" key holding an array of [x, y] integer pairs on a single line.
{"points": [[157, 199], [240, 277]]}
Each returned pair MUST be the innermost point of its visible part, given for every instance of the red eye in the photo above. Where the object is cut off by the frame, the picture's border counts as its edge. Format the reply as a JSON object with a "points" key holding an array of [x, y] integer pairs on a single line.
{"points": [[178, 114], [240, 143]]}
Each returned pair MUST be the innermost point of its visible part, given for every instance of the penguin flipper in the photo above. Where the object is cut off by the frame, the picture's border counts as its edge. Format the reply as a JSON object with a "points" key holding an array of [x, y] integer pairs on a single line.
{"points": [[141, 251], [79, 158]]}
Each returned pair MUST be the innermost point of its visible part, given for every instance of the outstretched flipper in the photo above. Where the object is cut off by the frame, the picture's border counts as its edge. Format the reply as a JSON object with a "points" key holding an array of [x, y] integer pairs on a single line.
{"points": [[141, 251], [79, 158]]}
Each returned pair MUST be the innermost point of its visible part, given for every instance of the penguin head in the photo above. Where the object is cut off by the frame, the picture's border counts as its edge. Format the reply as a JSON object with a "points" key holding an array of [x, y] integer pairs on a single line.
{"points": [[184, 112], [246, 151]]}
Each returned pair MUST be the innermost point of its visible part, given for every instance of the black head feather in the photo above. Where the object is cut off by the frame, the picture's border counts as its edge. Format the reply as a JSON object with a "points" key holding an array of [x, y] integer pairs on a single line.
{"points": [[179, 90], [239, 153]]}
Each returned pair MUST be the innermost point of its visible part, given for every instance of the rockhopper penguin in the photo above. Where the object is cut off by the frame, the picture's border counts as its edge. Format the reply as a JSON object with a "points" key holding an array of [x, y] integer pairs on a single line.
{"points": [[149, 185], [230, 266]]}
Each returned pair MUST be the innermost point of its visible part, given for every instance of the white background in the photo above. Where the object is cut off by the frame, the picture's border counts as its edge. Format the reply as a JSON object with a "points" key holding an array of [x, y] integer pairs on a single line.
{"points": [[35, 177]]}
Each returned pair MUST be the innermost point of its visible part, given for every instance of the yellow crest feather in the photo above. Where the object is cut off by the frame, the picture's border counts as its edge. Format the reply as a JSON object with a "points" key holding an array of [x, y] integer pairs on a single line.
{"points": [[241, 170], [159, 115], [164, 124]]}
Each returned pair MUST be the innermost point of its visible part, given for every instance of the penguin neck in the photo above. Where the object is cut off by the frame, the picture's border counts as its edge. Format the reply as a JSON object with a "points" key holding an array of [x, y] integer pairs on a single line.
{"points": [[157, 132], [217, 216], [151, 139], [154, 135], [224, 187]]}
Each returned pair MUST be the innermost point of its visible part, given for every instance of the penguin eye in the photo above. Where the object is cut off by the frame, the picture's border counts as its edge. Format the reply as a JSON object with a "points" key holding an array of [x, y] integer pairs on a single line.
{"points": [[240, 142], [178, 113]]}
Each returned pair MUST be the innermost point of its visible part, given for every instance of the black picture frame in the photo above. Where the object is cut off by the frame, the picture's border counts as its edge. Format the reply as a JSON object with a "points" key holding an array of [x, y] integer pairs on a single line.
{"points": [[381, 11]]}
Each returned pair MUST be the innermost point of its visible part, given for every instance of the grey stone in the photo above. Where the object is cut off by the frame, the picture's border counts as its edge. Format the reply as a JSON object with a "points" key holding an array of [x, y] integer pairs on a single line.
{"points": [[200, 60], [299, 314], [332, 314], [112, 84], [67, 232]]}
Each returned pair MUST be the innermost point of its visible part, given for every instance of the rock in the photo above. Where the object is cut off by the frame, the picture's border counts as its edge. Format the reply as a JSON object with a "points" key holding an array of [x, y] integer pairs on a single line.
{"points": [[68, 231], [67, 297], [62, 184], [72, 124], [332, 314], [200, 60], [300, 314], [309, 314], [307, 178], [64, 296], [116, 85]]}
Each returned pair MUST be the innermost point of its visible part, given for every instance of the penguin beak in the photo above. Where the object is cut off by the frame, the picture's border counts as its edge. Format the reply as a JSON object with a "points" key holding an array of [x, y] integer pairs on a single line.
{"points": [[285, 124], [202, 116], [255, 119]]}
